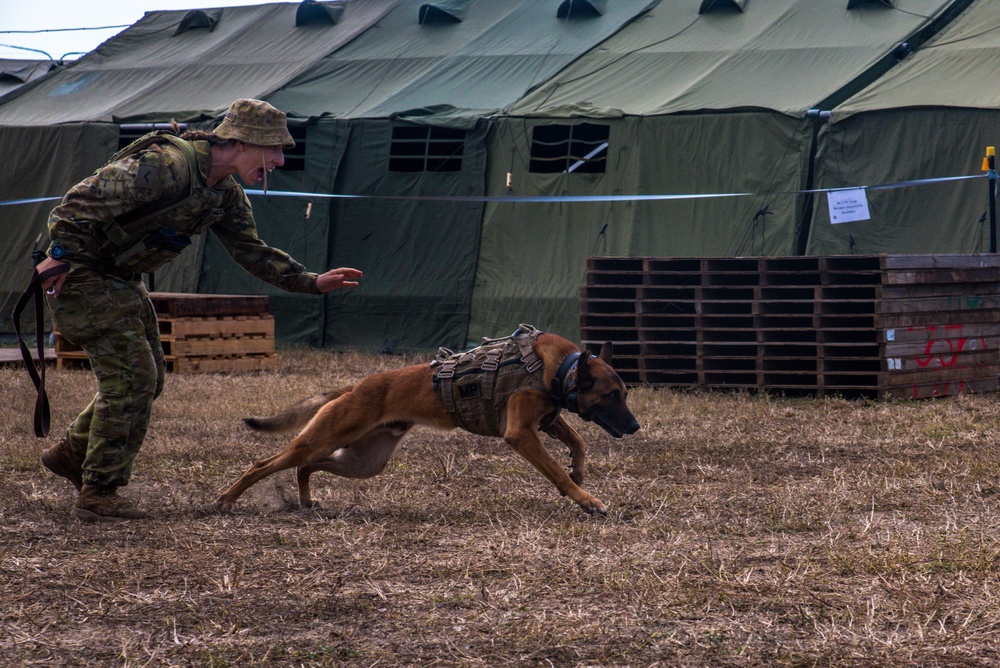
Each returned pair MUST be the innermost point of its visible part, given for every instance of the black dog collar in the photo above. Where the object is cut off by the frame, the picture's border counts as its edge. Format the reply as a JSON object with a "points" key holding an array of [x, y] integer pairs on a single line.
{"points": [[564, 383]]}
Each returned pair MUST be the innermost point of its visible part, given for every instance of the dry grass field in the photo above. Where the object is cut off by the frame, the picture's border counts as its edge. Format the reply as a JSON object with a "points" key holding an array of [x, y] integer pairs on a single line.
{"points": [[742, 531]]}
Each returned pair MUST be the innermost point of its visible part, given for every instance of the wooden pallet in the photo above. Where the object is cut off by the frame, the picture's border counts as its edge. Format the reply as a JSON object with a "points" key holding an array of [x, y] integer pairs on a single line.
{"points": [[879, 326], [204, 334], [12, 356], [208, 306], [199, 364]]}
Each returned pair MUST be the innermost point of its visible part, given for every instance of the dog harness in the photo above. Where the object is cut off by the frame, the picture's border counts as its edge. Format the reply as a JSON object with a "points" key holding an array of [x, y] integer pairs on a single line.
{"points": [[474, 386]]}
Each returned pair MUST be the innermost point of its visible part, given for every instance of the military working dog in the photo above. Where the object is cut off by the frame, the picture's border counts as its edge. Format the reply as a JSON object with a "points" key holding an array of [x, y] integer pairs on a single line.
{"points": [[517, 389]]}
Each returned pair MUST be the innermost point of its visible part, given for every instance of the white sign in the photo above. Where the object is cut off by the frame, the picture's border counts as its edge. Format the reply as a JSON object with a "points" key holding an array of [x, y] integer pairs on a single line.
{"points": [[848, 206]]}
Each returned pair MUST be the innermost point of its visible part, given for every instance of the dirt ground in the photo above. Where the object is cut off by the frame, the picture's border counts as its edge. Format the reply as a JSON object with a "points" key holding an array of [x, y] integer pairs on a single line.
{"points": [[742, 531]]}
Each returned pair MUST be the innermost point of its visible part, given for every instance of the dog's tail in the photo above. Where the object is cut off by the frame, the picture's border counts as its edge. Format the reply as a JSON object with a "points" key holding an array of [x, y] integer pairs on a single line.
{"points": [[297, 415]]}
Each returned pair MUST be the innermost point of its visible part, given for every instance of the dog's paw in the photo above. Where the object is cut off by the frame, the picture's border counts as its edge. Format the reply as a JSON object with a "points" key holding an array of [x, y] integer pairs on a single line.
{"points": [[223, 506], [309, 504], [594, 506]]}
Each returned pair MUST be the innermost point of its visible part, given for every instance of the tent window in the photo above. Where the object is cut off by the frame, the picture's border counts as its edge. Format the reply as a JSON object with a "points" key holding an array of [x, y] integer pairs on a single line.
{"points": [[422, 148], [129, 132], [295, 157], [581, 148]]}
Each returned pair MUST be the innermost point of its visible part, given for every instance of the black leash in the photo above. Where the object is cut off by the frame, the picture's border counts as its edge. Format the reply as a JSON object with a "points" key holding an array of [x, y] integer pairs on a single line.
{"points": [[34, 290]]}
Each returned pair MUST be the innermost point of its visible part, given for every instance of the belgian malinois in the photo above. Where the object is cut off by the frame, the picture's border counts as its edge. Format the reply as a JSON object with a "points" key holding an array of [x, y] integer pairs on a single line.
{"points": [[353, 431]]}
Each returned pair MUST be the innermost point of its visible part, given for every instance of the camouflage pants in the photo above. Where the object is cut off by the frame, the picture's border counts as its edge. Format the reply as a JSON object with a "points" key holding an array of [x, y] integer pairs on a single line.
{"points": [[114, 322]]}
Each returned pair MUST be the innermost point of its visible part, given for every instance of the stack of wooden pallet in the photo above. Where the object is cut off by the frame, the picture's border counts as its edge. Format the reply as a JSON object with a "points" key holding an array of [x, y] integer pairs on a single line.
{"points": [[878, 326], [204, 333]]}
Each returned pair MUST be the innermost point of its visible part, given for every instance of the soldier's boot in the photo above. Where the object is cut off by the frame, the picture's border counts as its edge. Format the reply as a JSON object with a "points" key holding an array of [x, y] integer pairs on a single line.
{"points": [[62, 460], [96, 503]]}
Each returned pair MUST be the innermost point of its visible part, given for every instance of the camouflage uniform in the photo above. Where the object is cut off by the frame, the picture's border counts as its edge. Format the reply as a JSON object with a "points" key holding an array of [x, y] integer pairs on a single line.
{"points": [[131, 216]]}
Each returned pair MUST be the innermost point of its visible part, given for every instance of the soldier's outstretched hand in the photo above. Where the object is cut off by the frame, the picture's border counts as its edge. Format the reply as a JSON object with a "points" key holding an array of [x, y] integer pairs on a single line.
{"points": [[335, 279]]}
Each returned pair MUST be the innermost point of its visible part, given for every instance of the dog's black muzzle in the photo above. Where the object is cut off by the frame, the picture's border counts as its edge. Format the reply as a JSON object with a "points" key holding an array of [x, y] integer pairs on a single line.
{"points": [[617, 424]]}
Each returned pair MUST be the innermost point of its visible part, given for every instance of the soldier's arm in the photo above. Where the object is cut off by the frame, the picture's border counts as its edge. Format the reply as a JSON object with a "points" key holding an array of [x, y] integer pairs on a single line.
{"points": [[238, 233]]}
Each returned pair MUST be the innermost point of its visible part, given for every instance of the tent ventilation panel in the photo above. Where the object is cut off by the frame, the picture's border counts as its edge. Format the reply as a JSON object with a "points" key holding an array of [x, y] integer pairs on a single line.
{"points": [[722, 5], [447, 11], [581, 9], [311, 12], [198, 19], [889, 4]]}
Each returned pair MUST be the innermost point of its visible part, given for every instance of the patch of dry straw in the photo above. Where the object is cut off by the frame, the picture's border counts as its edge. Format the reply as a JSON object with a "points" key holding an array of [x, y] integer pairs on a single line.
{"points": [[743, 531]]}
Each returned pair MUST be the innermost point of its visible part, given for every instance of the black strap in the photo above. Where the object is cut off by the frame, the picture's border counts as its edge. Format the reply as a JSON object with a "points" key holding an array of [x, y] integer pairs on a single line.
{"points": [[34, 289], [562, 386]]}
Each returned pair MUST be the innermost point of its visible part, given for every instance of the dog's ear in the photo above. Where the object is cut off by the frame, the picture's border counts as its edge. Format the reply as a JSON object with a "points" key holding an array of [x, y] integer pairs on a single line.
{"points": [[605, 355]]}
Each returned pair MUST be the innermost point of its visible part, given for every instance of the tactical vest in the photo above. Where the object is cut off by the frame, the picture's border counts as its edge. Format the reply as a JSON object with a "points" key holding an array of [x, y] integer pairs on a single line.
{"points": [[474, 386], [150, 236]]}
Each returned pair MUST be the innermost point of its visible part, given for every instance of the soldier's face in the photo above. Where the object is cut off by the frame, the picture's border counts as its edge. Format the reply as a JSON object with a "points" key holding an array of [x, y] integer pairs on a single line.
{"points": [[253, 161]]}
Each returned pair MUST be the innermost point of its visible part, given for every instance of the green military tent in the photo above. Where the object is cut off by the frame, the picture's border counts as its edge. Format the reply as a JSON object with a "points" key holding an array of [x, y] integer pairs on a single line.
{"points": [[407, 108], [931, 117], [709, 98], [421, 124], [15, 73], [401, 76], [182, 65]]}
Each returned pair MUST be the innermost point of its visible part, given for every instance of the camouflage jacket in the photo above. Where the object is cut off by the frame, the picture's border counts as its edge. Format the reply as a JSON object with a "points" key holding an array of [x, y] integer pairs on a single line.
{"points": [[474, 386], [138, 212]]}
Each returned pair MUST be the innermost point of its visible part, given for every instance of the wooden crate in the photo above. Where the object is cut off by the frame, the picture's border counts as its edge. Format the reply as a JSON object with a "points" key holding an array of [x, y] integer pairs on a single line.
{"points": [[204, 333], [938, 324], [878, 326]]}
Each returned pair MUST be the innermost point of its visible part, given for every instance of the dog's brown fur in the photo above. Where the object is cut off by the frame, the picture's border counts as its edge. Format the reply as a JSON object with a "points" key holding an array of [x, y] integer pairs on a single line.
{"points": [[353, 431]]}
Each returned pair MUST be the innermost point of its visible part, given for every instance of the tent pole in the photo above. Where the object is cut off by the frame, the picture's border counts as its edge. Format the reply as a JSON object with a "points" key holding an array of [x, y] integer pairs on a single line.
{"points": [[989, 166], [993, 212]]}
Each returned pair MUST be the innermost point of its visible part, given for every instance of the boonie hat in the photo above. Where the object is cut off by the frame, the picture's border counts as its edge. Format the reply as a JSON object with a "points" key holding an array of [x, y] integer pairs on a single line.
{"points": [[255, 122]]}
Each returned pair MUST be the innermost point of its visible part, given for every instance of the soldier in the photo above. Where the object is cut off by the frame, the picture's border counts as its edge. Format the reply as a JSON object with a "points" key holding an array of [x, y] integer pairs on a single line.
{"points": [[130, 217]]}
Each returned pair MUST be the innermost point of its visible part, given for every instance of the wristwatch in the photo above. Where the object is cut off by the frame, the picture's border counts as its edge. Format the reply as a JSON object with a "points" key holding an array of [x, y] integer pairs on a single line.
{"points": [[58, 252]]}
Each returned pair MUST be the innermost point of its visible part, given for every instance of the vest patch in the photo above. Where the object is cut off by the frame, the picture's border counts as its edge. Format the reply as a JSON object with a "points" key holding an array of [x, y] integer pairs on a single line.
{"points": [[147, 177], [468, 391]]}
